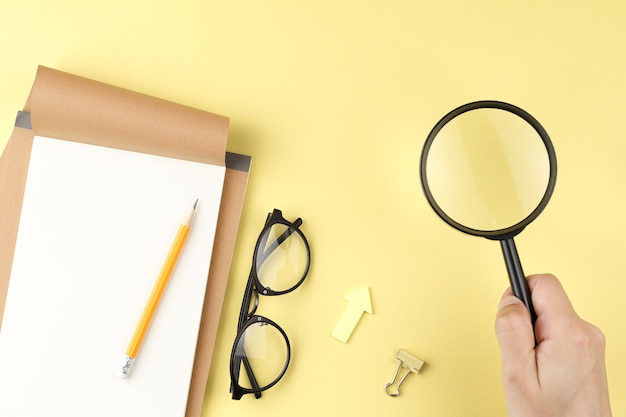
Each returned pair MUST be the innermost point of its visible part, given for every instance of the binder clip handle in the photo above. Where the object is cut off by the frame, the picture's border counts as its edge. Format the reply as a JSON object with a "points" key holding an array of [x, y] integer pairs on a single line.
{"points": [[410, 363]]}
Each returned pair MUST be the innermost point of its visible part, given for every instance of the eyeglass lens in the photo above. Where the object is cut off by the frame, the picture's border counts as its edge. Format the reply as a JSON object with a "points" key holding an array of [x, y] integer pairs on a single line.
{"points": [[264, 349], [282, 258]]}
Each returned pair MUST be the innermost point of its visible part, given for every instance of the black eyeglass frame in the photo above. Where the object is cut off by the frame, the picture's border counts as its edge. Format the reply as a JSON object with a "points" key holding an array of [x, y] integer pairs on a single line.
{"points": [[247, 316]]}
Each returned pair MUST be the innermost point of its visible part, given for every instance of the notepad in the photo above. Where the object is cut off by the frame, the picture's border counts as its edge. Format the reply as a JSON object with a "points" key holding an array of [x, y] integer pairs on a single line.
{"points": [[96, 224]]}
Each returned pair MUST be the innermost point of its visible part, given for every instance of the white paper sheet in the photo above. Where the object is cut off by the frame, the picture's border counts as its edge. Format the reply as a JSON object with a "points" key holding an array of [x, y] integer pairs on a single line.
{"points": [[96, 226]]}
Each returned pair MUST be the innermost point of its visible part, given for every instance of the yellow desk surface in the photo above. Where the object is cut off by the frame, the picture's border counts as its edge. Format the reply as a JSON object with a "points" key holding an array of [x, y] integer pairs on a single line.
{"points": [[334, 99]]}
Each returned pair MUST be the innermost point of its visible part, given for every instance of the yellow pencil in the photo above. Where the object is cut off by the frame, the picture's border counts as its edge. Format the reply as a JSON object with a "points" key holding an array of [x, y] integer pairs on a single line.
{"points": [[157, 293]]}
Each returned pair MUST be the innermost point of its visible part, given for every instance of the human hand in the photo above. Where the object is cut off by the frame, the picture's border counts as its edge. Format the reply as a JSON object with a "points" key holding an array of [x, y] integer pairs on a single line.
{"points": [[565, 373]]}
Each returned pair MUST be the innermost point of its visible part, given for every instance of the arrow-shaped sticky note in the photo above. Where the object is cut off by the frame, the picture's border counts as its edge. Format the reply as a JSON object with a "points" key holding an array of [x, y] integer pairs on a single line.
{"points": [[358, 303]]}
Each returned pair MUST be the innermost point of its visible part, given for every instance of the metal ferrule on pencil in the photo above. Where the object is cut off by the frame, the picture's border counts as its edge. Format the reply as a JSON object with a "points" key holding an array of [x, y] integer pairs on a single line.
{"points": [[126, 365]]}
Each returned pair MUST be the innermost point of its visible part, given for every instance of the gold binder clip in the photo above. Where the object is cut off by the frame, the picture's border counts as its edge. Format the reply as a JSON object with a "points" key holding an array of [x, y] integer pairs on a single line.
{"points": [[408, 361]]}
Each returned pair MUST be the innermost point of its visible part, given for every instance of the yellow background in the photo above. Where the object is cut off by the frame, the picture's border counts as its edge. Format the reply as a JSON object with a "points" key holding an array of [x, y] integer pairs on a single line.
{"points": [[334, 99]]}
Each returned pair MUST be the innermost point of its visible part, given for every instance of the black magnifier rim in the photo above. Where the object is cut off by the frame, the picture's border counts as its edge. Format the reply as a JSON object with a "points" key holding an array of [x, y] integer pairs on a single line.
{"points": [[511, 231]]}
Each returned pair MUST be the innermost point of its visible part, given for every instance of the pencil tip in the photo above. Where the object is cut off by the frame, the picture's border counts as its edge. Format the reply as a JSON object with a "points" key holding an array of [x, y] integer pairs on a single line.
{"points": [[195, 204]]}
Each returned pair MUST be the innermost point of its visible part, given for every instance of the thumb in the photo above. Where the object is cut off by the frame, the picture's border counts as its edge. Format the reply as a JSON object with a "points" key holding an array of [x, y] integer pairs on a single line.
{"points": [[516, 338]]}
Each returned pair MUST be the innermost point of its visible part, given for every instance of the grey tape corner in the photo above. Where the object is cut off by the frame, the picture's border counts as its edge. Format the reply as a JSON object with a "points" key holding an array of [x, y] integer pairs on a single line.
{"points": [[23, 120], [238, 161]]}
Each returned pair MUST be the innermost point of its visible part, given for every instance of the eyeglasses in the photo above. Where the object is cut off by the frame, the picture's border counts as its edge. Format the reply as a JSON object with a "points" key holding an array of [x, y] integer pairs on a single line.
{"points": [[280, 264]]}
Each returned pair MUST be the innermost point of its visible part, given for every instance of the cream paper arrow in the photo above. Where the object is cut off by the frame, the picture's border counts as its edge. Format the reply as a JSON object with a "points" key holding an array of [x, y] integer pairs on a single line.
{"points": [[359, 302]]}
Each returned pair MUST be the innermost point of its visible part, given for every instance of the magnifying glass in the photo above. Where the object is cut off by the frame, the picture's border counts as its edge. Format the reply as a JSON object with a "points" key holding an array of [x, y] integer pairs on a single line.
{"points": [[488, 168]]}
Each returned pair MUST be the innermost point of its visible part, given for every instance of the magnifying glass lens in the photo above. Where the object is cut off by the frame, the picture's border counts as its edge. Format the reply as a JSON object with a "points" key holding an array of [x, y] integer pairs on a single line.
{"points": [[488, 169]]}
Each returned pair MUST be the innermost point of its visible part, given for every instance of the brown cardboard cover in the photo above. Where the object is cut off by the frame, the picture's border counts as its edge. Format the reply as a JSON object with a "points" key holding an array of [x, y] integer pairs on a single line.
{"points": [[69, 107]]}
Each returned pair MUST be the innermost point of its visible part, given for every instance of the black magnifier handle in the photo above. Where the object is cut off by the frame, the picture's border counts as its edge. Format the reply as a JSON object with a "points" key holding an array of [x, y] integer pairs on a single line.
{"points": [[519, 285]]}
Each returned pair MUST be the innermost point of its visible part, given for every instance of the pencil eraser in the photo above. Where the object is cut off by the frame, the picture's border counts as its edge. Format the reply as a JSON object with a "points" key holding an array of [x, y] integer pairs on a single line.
{"points": [[125, 368]]}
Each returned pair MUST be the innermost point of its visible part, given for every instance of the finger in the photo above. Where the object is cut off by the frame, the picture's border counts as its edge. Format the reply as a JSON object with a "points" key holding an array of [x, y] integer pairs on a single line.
{"points": [[552, 306], [515, 336], [548, 295]]}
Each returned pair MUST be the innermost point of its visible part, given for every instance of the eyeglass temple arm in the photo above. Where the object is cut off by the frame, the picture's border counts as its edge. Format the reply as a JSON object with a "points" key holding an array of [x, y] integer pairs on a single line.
{"points": [[251, 378], [243, 315], [245, 304], [279, 240]]}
